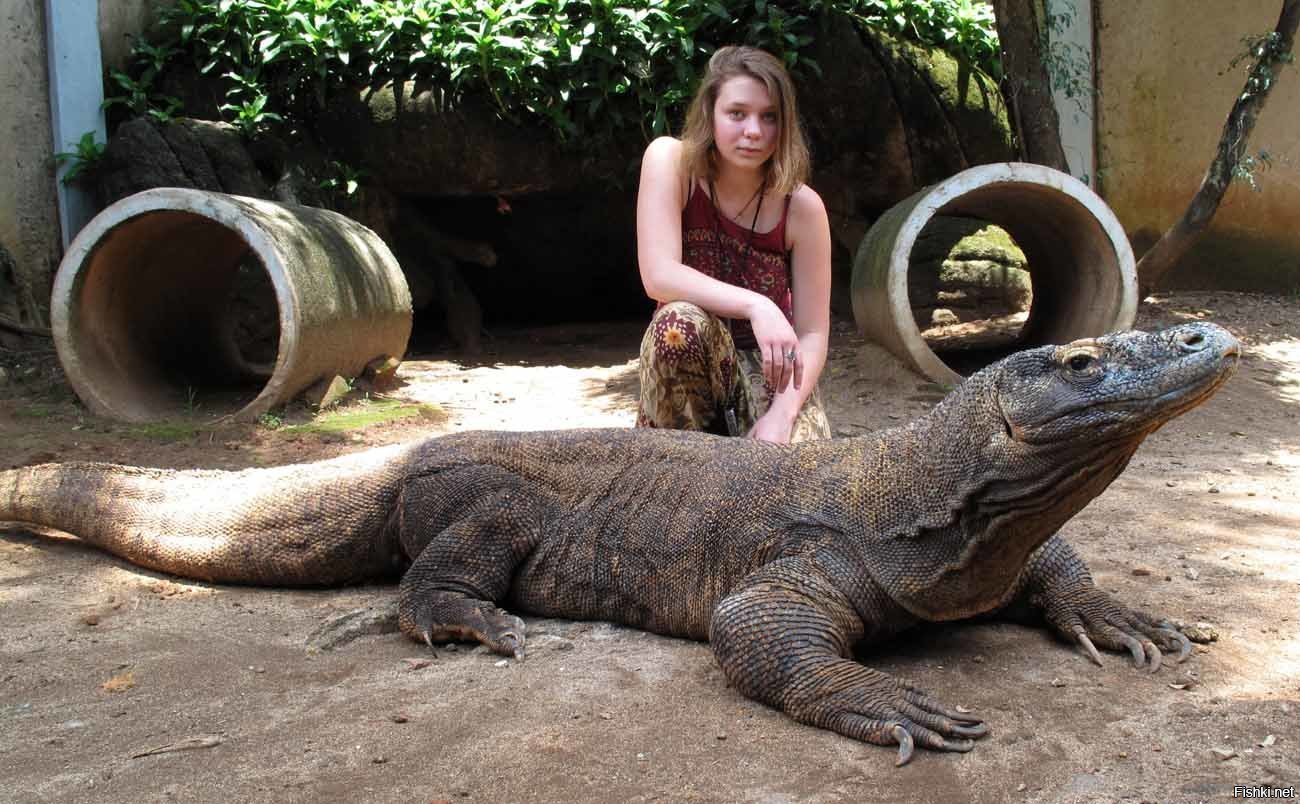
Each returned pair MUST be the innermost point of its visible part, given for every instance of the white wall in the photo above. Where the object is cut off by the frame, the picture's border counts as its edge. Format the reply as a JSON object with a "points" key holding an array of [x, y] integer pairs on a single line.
{"points": [[1072, 50]]}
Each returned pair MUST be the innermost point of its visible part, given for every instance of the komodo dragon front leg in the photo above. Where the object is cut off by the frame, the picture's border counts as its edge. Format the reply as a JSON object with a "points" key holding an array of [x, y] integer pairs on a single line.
{"points": [[784, 636], [467, 528], [1056, 585]]}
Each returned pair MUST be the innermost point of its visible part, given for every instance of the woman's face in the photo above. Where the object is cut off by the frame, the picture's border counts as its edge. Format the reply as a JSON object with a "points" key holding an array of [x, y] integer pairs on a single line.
{"points": [[746, 124]]}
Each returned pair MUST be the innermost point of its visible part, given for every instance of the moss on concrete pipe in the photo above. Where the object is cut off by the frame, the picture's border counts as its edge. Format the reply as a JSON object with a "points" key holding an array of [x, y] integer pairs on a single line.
{"points": [[1079, 259], [142, 304]]}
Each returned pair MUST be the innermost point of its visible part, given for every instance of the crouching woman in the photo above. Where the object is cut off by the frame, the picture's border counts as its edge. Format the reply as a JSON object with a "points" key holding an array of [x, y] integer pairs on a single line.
{"points": [[735, 248]]}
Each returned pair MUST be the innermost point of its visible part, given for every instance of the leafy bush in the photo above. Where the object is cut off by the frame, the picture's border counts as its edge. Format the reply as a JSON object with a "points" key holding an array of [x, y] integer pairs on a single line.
{"points": [[584, 66], [965, 28], [84, 158]]}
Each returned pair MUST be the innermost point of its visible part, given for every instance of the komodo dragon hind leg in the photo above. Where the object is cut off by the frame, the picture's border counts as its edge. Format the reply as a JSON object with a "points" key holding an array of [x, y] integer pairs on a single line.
{"points": [[1057, 583], [451, 588], [782, 637]]}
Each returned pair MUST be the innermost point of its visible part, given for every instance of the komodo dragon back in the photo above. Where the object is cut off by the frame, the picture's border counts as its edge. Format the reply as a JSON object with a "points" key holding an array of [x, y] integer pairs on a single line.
{"points": [[785, 558]]}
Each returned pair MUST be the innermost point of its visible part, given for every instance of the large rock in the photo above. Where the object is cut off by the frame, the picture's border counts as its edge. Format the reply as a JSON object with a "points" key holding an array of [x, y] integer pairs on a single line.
{"points": [[963, 269], [407, 138], [198, 154], [887, 118]]}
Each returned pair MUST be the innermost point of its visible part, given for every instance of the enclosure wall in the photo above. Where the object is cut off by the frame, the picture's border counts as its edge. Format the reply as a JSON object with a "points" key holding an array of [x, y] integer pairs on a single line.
{"points": [[29, 222], [1165, 89]]}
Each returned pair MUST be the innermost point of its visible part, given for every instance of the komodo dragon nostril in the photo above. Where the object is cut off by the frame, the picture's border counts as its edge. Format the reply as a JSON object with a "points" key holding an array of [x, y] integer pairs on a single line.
{"points": [[1191, 342]]}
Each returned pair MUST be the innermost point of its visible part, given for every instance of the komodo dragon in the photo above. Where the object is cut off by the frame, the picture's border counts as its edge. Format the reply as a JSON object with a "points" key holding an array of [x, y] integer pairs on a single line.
{"points": [[784, 558]]}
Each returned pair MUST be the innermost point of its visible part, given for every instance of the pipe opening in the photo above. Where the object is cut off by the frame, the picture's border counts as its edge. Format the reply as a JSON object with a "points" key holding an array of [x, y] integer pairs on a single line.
{"points": [[175, 315], [969, 290]]}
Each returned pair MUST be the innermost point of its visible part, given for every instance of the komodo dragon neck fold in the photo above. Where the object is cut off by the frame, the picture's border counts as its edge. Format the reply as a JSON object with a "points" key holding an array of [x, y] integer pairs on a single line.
{"points": [[954, 500]]}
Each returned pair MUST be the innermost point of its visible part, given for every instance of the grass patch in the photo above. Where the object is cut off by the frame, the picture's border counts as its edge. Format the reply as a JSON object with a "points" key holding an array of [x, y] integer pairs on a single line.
{"points": [[166, 431], [36, 412], [363, 414]]}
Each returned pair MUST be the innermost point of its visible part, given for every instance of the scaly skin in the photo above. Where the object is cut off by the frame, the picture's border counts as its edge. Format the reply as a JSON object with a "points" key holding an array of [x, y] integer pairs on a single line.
{"points": [[784, 558]]}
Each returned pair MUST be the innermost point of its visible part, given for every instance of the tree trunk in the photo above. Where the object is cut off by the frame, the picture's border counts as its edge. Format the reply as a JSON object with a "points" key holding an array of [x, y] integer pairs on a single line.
{"points": [[1270, 53], [1020, 29]]}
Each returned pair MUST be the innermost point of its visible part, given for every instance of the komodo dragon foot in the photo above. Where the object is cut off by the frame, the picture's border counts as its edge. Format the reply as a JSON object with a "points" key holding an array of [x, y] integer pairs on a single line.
{"points": [[877, 708], [784, 637], [1082, 613], [1061, 587], [444, 617]]}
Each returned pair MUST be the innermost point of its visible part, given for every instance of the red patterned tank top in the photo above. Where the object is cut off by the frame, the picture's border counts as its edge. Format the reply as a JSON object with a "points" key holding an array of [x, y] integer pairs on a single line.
{"points": [[764, 267]]}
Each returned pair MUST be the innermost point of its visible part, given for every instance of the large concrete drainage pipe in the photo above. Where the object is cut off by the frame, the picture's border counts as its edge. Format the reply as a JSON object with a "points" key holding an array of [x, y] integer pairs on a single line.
{"points": [[152, 304], [1080, 262]]}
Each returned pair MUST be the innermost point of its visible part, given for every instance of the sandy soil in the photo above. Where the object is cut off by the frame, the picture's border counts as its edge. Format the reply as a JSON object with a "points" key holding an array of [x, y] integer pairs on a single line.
{"points": [[102, 663]]}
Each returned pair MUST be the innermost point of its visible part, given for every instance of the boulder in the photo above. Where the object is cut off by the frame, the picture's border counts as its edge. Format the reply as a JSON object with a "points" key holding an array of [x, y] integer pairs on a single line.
{"points": [[965, 269], [406, 137], [198, 154], [887, 117]]}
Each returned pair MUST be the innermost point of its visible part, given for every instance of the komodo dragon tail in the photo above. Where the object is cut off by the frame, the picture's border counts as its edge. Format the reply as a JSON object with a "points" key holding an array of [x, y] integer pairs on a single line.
{"points": [[307, 524]]}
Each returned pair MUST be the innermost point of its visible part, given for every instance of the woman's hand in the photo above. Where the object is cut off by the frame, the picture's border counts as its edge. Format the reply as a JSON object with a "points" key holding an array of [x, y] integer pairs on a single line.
{"points": [[779, 345], [773, 426]]}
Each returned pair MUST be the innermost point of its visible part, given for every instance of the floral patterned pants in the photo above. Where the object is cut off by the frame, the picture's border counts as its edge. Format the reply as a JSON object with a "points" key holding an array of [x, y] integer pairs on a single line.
{"points": [[692, 374]]}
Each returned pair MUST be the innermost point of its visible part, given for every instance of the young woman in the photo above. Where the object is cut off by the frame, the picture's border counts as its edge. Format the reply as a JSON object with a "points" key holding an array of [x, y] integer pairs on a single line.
{"points": [[736, 249]]}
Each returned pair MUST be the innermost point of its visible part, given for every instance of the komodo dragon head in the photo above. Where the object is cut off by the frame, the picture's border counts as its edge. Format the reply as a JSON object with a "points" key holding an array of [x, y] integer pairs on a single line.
{"points": [[1026, 443]]}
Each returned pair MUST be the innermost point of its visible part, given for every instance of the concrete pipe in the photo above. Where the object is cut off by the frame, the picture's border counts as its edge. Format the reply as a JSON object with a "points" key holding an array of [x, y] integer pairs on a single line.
{"points": [[1079, 259], [147, 302]]}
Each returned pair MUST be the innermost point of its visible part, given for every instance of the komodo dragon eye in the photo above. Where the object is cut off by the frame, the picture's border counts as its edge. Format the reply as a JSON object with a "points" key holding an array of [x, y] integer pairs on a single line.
{"points": [[1082, 364]]}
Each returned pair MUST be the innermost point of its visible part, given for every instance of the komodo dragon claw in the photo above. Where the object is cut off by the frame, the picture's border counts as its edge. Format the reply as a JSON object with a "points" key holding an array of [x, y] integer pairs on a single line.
{"points": [[886, 711], [1093, 617], [1082, 636], [1171, 631], [905, 746]]}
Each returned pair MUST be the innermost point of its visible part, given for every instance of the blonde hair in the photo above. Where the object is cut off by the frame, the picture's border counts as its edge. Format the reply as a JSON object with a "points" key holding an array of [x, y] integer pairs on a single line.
{"points": [[788, 166]]}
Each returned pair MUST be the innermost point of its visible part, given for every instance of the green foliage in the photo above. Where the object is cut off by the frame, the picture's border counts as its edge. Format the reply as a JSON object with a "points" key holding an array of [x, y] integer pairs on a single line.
{"points": [[964, 28], [137, 92], [344, 180], [582, 66], [1268, 51], [251, 115], [84, 158], [1249, 167]]}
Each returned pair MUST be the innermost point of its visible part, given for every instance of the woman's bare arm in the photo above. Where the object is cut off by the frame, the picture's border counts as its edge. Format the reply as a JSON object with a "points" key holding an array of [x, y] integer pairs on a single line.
{"points": [[809, 237]]}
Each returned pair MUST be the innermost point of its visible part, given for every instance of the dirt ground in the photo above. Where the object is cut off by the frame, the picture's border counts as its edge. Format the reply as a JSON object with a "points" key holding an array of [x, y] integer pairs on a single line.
{"points": [[102, 664]]}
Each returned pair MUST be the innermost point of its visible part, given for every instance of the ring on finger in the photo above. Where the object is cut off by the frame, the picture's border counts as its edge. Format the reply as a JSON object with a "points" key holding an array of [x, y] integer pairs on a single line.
{"points": [[791, 355]]}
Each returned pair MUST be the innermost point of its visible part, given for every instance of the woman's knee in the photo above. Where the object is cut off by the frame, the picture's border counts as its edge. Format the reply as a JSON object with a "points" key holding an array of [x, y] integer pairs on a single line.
{"points": [[677, 311], [680, 332]]}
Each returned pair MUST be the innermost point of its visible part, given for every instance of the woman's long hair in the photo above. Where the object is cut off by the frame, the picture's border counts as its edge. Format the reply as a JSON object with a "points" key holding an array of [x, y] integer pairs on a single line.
{"points": [[788, 166]]}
